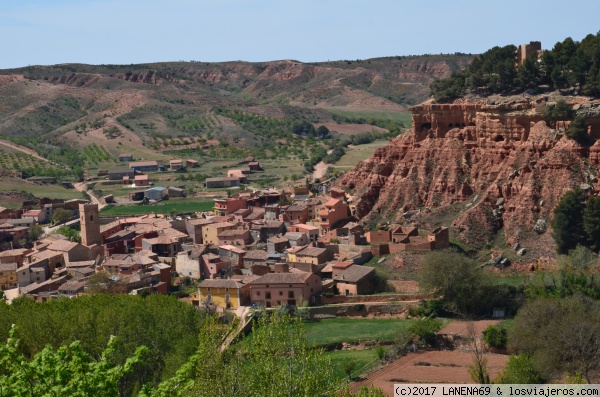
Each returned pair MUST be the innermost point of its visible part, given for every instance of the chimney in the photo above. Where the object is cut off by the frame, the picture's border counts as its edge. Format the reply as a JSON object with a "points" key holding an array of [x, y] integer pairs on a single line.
{"points": [[282, 268]]}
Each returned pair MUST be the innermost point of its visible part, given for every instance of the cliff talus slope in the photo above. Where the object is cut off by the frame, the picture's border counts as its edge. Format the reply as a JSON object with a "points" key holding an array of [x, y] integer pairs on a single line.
{"points": [[494, 163]]}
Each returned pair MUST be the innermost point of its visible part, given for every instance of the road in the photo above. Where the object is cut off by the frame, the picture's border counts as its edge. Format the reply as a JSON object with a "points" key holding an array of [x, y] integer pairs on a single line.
{"points": [[321, 168], [48, 230], [83, 187]]}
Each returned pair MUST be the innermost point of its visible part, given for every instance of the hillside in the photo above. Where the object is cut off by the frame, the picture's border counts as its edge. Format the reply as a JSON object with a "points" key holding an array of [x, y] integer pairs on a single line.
{"points": [[488, 167], [146, 109]]}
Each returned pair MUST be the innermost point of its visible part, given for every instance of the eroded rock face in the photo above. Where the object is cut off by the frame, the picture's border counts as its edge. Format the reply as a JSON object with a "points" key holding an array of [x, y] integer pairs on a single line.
{"points": [[488, 150]]}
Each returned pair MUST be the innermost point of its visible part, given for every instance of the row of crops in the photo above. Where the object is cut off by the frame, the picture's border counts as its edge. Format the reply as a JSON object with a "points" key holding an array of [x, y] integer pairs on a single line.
{"points": [[30, 166], [95, 154]]}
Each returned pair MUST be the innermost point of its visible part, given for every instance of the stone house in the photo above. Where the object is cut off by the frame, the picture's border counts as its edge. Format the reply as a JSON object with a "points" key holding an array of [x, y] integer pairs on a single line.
{"points": [[285, 287], [141, 180], [311, 231], [194, 229], [297, 213], [255, 257], [313, 255], [72, 251], [232, 254], [234, 237], [354, 279], [277, 244], [189, 263], [8, 275], [211, 231]]}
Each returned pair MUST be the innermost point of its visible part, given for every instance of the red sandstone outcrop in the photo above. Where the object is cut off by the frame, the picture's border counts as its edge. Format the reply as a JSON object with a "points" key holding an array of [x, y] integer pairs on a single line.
{"points": [[495, 163]]}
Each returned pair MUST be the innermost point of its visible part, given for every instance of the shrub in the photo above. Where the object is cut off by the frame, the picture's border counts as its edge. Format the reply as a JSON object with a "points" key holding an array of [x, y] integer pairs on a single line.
{"points": [[496, 336], [426, 329]]}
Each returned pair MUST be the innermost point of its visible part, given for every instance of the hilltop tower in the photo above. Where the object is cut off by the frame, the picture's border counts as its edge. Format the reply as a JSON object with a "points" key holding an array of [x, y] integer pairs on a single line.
{"points": [[90, 224]]}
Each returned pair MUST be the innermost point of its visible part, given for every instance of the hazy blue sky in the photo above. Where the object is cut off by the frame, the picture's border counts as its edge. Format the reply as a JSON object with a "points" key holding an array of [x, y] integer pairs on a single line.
{"points": [[132, 31]]}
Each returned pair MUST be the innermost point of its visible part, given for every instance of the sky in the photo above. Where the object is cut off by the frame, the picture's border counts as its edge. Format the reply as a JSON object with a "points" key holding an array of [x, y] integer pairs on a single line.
{"points": [[46, 32]]}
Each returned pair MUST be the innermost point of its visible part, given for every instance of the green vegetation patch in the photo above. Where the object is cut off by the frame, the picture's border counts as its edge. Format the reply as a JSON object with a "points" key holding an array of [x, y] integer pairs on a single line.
{"points": [[167, 207], [363, 360], [337, 330]]}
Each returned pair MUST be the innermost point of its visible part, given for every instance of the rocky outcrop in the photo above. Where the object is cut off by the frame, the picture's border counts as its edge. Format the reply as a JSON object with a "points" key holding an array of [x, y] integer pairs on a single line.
{"points": [[494, 164]]}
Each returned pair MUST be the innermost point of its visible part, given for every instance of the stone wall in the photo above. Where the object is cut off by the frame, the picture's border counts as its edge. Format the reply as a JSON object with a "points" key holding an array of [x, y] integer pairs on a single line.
{"points": [[374, 298], [362, 310]]}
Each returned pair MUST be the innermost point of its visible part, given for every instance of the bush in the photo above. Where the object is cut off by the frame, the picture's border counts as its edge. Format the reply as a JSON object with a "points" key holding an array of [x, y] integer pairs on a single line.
{"points": [[496, 336], [426, 329]]}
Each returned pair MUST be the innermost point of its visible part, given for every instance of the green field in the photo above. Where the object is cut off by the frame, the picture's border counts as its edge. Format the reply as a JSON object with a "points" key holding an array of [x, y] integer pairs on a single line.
{"points": [[52, 191], [364, 359], [355, 154], [166, 207], [338, 330]]}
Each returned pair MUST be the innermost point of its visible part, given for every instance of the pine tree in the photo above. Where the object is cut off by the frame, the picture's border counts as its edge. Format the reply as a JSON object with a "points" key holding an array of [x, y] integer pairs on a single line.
{"points": [[568, 221], [591, 222]]}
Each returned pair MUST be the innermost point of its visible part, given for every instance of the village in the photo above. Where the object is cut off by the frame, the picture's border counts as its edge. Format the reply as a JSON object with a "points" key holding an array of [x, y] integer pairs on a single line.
{"points": [[267, 247]]}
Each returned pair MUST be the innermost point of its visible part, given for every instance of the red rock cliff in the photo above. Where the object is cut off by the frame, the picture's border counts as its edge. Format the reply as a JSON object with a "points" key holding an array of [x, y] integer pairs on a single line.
{"points": [[492, 165]]}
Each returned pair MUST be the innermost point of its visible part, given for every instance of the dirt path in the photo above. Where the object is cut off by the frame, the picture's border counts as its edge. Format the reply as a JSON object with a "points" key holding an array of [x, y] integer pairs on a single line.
{"points": [[83, 187], [321, 168], [22, 149]]}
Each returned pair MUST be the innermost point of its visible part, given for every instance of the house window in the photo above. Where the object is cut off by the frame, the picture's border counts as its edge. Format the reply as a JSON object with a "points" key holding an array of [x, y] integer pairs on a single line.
{"points": [[291, 294], [280, 293], [208, 297], [226, 289], [267, 295], [208, 289], [257, 293]]}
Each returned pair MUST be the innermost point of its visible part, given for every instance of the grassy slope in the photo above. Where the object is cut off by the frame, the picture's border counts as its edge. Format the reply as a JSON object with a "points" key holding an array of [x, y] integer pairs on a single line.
{"points": [[358, 153], [52, 191]]}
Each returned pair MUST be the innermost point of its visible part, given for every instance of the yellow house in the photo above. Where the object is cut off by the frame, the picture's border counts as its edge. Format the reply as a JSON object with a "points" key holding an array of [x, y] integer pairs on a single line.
{"points": [[8, 275], [292, 253], [224, 293], [211, 232]]}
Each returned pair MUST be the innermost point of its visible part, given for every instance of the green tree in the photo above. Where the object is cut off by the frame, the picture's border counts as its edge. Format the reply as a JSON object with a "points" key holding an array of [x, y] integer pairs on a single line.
{"points": [[78, 172], [561, 335], [520, 369], [464, 287], [66, 371], [61, 215], [426, 329], [496, 336], [560, 111], [71, 234], [35, 232], [578, 131], [591, 221], [567, 224], [349, 366]]}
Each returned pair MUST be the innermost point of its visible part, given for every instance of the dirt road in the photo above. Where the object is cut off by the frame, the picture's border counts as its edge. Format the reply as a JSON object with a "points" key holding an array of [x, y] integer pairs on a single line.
{"points": [[321, 168], [83, 187]]}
